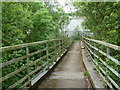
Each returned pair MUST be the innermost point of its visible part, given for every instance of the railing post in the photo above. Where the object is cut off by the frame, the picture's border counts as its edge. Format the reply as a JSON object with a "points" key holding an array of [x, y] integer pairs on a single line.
{"points": [[83, 41], [66, 43], [108, 52], [28, 61], [55, 44], [55, 49], [63, 45], [94, 50], [47, 52], [60, 46], [89, 42]]}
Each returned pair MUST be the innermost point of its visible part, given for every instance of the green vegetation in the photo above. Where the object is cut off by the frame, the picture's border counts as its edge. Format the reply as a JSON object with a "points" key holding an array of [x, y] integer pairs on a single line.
{"points": [[26, 22], [103, 20], [85, 73], [30, 22]]}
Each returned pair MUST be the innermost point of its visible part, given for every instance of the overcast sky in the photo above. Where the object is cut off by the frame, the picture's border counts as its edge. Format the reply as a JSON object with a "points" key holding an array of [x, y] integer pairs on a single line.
{"points": [[74, 23], [70, 8]]}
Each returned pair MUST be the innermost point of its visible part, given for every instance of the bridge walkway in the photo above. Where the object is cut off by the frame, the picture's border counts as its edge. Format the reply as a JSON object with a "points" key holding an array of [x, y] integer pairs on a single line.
{"points": [[69, 73]]}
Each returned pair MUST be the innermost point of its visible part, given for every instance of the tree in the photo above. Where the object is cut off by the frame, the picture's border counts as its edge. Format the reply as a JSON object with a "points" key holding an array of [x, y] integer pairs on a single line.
{"points": [[101, 18]]}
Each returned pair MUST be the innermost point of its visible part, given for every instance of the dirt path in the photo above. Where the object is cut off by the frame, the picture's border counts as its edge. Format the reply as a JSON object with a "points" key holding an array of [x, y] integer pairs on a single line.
{"points": [[69, 73]]}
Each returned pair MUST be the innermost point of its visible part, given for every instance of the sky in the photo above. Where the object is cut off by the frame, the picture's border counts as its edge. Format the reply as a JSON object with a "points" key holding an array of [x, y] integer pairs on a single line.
{"points": [[68, 8], [74, 22]]}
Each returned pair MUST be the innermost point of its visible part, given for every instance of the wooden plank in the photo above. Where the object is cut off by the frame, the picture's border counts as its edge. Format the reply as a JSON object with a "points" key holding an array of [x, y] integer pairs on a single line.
{"points": [[43, 71], [42, 64], [97, 65], [97, 83], [23, 57], [34, 62], [20, 58], [24, 78], [28, 62], [112, 81], [46, 67], [24, 67], [105, 54], [12, 73], [104, 43], [20, 81], [38, 76], [2, 49], [26, 83], [105, 79], [114, 71]]}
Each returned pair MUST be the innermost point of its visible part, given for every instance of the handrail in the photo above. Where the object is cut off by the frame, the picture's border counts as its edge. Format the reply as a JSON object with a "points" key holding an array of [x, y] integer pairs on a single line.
{"points": [[26, 44], [25, 56], [92, 49], [53, 51], [104, 43], [103, 53]]}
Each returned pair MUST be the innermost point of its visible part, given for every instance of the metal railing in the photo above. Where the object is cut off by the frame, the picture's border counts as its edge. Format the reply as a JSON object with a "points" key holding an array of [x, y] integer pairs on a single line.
{"points": [[107, 66], [30, 67]]}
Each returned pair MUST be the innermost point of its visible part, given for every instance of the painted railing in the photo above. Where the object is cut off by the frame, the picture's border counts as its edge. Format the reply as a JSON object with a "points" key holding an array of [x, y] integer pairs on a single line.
{"points": [[30, 66], [107, 65]]}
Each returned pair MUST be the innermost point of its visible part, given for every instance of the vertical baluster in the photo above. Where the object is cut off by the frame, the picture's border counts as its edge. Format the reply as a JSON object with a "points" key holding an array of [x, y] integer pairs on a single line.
{"points": [[28, 61], [59, 47], [68, 42], [65, 44], [56, 53], [47, 52], [90, 43], [59, 44], [94, 51], [108, 52], [55, 44]]}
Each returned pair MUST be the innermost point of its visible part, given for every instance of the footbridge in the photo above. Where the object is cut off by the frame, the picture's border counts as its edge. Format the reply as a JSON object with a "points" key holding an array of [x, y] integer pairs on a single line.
{"points": [[60, 63]]}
